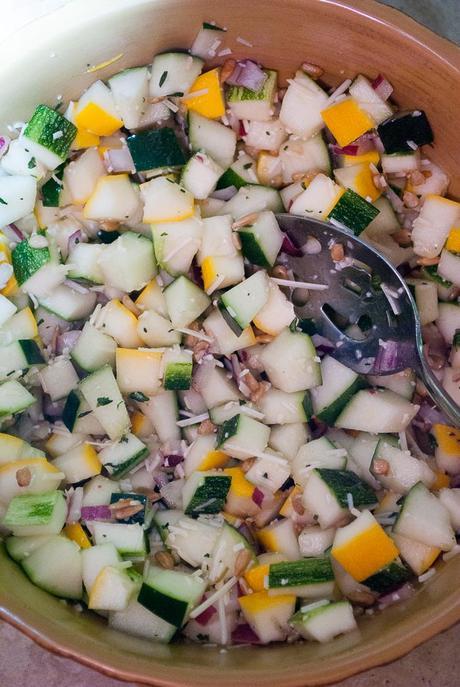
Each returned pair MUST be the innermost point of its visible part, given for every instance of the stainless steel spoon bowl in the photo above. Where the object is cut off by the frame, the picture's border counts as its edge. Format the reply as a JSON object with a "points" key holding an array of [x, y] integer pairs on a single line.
{"points": [[366, 290]]}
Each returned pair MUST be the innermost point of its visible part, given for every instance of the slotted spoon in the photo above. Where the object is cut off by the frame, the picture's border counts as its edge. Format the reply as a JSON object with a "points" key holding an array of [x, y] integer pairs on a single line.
{"points": [[362, 288]]}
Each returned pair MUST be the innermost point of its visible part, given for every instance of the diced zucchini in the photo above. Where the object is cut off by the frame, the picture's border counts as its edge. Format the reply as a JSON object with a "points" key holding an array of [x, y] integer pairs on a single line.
{"points": [[251, 199], [280, 407], [117, 321], [217, 238], [213, 138], [178, 367], [313, 541], [140, 622], [114, 588], [20, 160], [317, 453], [173, 73], [400, 130], [205, 492], [404, 471], [242, 436], [386, 222], [95, 559], [128, 263], [227, 342], [302, 105], [214, 385], [277, 313], [129, 89], [400, 163], [269, 472], [94, 349], [191, 539], [101, 391], [56, 567], [84, 262], [402, 383], [291, 363], [19, 548], [185, 301], [241, 304], [69, 304], [165, 519], [18, 196], [262, 240], [254, 105], [449, 320], [308, 578], [121, 457], [13, 448], [388, 578], [155, 149], [200, 175], [417, 556], [450, 498], [229, 543], [339, 384], [162, 410], [40, 133], [448, 269], [156, 331], [27, 260], [432, 225], [129, 540], [14, 398], [17, 356], [377, 411], [327, 492], [171, 594], [138, 371], [307, 156], [77, 416], [425, 519], [240, 173], [287, 439], [353, 212], [22, 325], [176, 244], [323, 623], [36, 514]]}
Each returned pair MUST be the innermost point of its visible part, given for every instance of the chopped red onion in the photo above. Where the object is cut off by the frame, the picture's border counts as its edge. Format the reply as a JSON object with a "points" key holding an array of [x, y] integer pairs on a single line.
{"points": [[404, 593], [289, 247], [382, 87], [258, 497], [96, 513], [4, 143], [389, 356], [351, 149], [225, 193], [244, 634], [205, 617], [119, 160], [248, 74], [74, 498], [53, 409], [395, 200], [194, 402], [242, 129], [318, 428], [74, 239], [79, 288], [320, 341], [67, 340], [171, 460], [431, 415], [161, 479], [13, 233]]}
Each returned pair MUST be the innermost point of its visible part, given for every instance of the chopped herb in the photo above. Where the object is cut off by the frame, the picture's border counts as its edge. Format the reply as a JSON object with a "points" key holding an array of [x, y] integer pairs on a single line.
{"points": [[182, 190], [85, 413], [138, 396], [162, 79], [267, 133], [164, 233], [202, 638], [212, 27], [3, 202], [176, 95], [248, 165], [32, 163], [123, 440], [11, 373], [265, 475], [40, 322], [103, 401], [120, 403], [145, 330]]}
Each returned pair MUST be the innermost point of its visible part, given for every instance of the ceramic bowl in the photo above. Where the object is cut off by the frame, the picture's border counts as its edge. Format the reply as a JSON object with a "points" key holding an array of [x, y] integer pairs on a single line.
{"points": [[49, 57]]}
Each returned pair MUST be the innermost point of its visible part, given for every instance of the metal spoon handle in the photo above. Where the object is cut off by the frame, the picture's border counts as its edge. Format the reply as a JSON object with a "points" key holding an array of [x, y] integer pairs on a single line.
{"points": [[442, 399]]}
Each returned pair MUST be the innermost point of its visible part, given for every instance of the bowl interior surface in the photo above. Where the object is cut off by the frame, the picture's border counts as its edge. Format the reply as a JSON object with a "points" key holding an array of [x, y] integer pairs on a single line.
{"points": [[49, 58]]}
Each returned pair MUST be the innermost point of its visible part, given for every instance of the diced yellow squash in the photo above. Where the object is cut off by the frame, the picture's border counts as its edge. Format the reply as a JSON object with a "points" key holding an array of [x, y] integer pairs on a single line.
{"points": [[447, 438], [165, 201], [211, 103], [96, 120], [419, 557], [256, 577], [151, 298], [138, 370], [5, 258], [347, 121], [442, 481], [371, 157], [233, 520], [43, 477], [120, 323], [208, 272], [261, 601], [453, 240], [286, 509], [269, 171], [85, 139], [213, 459], [239, 486], [364, 184], [367, 552], [76, 533], [79, 463], [141, 426]]}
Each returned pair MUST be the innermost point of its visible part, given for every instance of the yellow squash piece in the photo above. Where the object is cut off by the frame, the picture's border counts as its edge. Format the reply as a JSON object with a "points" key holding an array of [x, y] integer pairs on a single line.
{"points": [[419, 557], [11, 285], [286, 509], [442, 481], [213, 459], [364, 184], [138, 370], [76, 533], [364, 547], [209, 100], [447, 438], [79, 463], [96, 120], [372, 157], [141, 426], [347, 121], [256, 577], [261, 601], [453, 240], [208, 272], [239, 486]]}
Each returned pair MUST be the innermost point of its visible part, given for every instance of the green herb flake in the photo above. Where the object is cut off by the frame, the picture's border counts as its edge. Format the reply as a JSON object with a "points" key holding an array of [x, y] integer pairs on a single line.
{"points": [[103, 401], [84, 413], [248, 165], [138, 396], [163, 78], [32, 163], [3, 202]]}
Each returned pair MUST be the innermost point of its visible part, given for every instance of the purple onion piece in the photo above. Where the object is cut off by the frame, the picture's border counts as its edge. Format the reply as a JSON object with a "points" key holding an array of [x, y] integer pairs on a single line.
{"points": [[248, 74], [289, 247], [171, 460], [74, 504], [390, 356], [13, 233], [225, 193], [96, 513], [397, 596], [67, 340], [119, 160], [382, 87], [206, 616], [74, 239], [258, 497], [244, 634]]}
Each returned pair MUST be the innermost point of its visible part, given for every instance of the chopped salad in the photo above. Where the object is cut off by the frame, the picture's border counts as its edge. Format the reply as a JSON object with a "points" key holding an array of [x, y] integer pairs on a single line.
{"points": [[179, 451]]}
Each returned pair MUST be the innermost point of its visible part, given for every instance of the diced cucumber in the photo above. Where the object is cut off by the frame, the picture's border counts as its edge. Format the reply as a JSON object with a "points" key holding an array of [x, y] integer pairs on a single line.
{"points": [[317, 199], [280, 536], [225, 553], [122, 456], [128, 263], [299, 156], [242, 436], [327, 493], [157, 331], [433, 224], [251, 199], [403, 472], [361, 451], [353, 212], [56, 567], [386, 222], [205, 492], [369, 100], [214, 385], [319, 453], [403, 128], [22, 325], [21, 161], [402, 383], [140, 622], [13, 448], [185, 301], [425, 519], [287, 439], [69, 304], [280, 407], [36, 514], [94, 349], [155, 149], [216, 139], [27, 260], [40, 134], [400, 163], [95, 559], [77, 416], [171, 594], [313, 541], [129, 540], [268, 616], [200, 175], [18, 356], [216, 240], [14, 398], [178, 367], [58, 378], [391, 576], [291, 363], [240, 304], [339, 384], [323, 623], [84, 262], [129, 89], [162, 411], [114, 588], [377, 411], [266, 136], [302, 105], [176, 244], [448, 269], [262, 240], [173, 73], [191, 539], [309, 578], [101, 391], [21, 547], [240, 173], [98, 491], [254, 105], [18, 196]]}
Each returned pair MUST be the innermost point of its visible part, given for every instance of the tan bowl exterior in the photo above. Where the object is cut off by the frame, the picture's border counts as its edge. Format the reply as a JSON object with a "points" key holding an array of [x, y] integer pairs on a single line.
{"points": [[345, 38]]}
